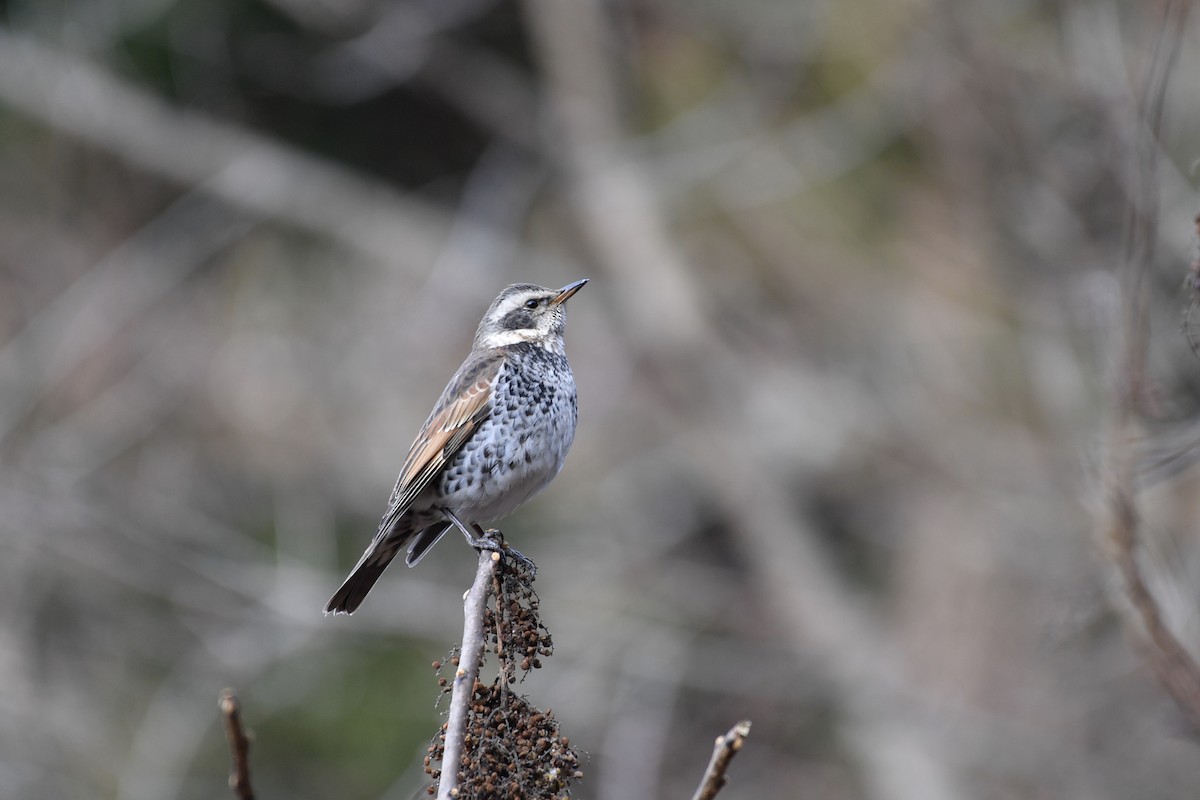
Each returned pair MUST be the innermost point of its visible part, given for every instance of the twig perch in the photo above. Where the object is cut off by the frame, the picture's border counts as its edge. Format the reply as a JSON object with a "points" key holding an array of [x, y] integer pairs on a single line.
{"points": [[239, 745], [726, 748], [1165, 654], [475, 607]]}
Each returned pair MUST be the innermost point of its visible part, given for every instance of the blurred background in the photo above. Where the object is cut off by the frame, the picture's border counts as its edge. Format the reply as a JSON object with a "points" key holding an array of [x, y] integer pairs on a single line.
{"points": [[844, 366]]}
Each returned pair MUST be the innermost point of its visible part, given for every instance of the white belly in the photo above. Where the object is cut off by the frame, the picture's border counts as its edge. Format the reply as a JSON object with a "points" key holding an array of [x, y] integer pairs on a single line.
{"points": [[513, 455]]}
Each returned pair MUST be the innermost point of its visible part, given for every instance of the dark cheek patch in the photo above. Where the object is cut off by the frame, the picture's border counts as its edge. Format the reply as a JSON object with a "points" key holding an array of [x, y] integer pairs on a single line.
{"points": [[517, 320]]}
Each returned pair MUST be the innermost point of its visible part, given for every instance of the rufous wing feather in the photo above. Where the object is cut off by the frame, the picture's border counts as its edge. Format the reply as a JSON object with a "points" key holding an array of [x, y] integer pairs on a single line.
{"points": [[464, 404]]}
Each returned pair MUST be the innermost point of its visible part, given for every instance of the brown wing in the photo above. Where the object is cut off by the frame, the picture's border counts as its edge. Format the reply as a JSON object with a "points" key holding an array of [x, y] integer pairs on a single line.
{"points": [[465, 402]]}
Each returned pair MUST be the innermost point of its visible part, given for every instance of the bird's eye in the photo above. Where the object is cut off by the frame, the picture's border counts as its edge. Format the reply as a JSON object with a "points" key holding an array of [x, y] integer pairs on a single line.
{"points": [[531, 303]]}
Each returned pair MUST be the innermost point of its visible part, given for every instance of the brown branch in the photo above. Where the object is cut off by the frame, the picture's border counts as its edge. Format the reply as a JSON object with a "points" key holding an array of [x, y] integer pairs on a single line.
{"points": [[474, 610], [1170, 661], [239, 745], [1166, 656], [726, 748]]}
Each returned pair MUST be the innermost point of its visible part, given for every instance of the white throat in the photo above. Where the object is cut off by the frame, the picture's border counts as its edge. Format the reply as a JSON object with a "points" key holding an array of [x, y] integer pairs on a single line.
{"points": [[506, 338]]}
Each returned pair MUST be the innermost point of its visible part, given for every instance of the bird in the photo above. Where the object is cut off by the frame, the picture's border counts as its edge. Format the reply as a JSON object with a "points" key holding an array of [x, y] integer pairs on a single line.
{"points": [[497, 436]]}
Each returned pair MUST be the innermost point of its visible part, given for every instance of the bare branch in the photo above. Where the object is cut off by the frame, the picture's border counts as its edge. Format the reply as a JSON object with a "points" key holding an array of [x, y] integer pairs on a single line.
{"points": [[726, 748], [474, 610], [239, 745]]}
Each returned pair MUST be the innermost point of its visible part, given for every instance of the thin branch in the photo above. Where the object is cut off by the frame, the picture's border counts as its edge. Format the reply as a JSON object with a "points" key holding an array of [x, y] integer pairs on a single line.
{"points": [[1166, 655], [239, 745], [726, 748], [474, 609]]}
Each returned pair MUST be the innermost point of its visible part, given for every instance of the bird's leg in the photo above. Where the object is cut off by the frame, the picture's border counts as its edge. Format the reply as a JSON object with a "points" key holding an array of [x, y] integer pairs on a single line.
{"points": [[491, 539], [479, 539]]}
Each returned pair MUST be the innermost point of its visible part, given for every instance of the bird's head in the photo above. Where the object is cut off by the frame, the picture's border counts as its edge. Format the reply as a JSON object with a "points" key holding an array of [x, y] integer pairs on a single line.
{"points": [[524, 312]]}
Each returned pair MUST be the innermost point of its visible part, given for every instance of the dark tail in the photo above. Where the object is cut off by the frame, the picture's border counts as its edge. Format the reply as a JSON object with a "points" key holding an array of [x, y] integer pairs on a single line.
{"points": [[346, 599]]}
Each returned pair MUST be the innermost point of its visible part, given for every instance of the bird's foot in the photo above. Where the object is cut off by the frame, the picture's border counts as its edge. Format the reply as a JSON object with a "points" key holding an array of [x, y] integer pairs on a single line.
{"points": [[491, 540], [524, 560]]}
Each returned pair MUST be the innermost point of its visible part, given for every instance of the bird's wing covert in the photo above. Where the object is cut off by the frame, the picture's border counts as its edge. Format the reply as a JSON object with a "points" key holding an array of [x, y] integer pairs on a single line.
{"points": [[465, 402]]}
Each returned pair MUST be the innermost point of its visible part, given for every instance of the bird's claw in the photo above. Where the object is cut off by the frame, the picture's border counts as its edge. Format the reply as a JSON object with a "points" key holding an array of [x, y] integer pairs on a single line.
{"points": [[491, 540], [523, 559]]}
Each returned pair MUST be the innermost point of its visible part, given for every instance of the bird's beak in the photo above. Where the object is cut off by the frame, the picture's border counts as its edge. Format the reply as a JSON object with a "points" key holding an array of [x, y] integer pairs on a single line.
{"points": [[566, 292]]}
